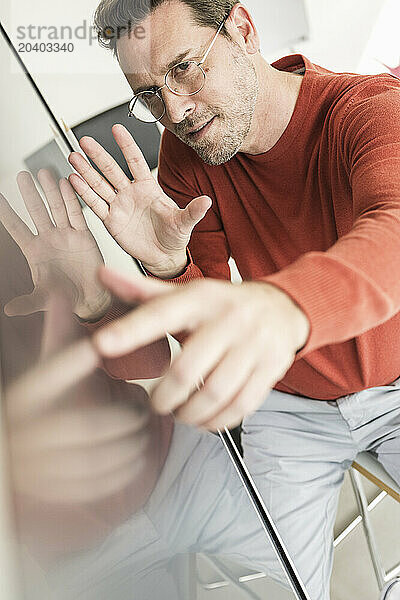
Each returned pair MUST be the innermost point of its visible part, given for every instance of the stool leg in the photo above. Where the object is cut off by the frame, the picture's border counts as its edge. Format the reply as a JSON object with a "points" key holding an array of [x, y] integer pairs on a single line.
{"points": [[362, 502]]}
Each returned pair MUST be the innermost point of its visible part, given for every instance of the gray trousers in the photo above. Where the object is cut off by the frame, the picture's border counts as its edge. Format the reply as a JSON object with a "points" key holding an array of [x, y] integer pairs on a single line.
{"points": [[297, 451]]}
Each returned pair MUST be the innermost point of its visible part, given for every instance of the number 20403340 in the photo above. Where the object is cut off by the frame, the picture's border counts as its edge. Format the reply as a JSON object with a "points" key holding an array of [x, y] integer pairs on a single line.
{"points": [[45, 47]]}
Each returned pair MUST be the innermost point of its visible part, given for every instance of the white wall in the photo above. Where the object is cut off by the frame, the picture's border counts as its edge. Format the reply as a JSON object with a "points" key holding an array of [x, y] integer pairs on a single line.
{"points": [[384, 43], [340, 31]]}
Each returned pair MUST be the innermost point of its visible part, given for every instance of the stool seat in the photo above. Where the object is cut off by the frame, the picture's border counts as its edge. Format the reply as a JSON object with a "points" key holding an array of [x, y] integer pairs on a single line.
{"points": [[371, 468]]}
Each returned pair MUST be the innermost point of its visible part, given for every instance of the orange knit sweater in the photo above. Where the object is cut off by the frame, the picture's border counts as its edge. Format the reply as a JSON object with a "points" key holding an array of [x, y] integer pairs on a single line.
{"points": [[318, 216]]}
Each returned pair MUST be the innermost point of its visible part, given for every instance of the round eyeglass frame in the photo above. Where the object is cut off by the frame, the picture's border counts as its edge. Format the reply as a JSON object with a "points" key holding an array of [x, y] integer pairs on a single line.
{"points": [[157, 93]]}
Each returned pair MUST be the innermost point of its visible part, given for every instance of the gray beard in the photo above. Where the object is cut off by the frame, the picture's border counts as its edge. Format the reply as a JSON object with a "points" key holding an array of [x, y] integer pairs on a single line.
{"points": [[218, 154], [237, 118]]}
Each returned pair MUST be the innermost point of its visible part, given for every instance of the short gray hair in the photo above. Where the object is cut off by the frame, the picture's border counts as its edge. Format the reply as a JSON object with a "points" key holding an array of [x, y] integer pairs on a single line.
{"points": [[115, 18]]}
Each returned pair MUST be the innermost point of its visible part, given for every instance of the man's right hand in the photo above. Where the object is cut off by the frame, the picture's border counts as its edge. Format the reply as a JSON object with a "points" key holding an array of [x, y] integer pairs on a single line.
{"points": [[141, 218]]}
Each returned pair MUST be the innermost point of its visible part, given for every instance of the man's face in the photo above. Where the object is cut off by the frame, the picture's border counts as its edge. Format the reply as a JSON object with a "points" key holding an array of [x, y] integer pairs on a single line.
{"points": [[226, 103]]}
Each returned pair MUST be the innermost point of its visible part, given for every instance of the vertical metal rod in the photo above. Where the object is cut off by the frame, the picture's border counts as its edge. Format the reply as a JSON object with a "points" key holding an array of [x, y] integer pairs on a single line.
{"points": [[362, 502]]}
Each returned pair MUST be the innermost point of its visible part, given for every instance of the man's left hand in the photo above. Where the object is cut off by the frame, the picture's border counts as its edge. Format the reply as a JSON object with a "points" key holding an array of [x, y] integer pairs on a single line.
{"points": [[242, 340]]}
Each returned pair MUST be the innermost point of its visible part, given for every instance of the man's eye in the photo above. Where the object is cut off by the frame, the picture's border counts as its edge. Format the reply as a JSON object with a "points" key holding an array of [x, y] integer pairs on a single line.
{"points": [[183, 66], [183, 69]]}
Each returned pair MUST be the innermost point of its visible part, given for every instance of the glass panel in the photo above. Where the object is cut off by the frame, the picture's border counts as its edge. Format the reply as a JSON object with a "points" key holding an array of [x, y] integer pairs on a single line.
{"points": [[108, 499]]}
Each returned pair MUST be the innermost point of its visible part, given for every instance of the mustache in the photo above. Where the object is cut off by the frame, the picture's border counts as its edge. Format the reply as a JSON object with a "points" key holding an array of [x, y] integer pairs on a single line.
{"points": [[191, 123]]}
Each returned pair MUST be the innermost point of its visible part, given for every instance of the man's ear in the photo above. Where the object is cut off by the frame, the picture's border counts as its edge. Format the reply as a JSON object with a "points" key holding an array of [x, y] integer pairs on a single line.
{"points": [[241, 27]]}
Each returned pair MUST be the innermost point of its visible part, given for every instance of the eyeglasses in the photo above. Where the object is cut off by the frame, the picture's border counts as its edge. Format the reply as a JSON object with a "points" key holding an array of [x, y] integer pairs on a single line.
{"points": [[185, 79]]}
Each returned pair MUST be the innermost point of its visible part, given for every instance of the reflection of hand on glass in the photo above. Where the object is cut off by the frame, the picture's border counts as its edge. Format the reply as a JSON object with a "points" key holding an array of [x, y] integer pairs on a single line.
{"points": [[142, 219], [64, 248], [85, 446], [81, 444]]}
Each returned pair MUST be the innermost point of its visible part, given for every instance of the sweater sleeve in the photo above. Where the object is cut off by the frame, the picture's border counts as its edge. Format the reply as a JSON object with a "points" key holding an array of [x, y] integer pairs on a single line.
{"points": [[355, 285], [149, 362], [208, 251]]}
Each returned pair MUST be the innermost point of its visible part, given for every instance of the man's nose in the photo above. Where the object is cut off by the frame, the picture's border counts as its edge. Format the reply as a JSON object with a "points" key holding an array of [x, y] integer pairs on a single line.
{"points": [[177, 107]]}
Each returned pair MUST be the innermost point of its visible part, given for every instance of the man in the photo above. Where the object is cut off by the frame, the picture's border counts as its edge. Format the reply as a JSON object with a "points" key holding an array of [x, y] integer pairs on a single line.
{"points": [[300, 167]]}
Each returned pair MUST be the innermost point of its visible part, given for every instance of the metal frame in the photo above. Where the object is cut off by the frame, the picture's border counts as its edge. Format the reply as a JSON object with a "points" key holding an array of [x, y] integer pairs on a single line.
{"points": [[381, 575], [229, 579]]}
